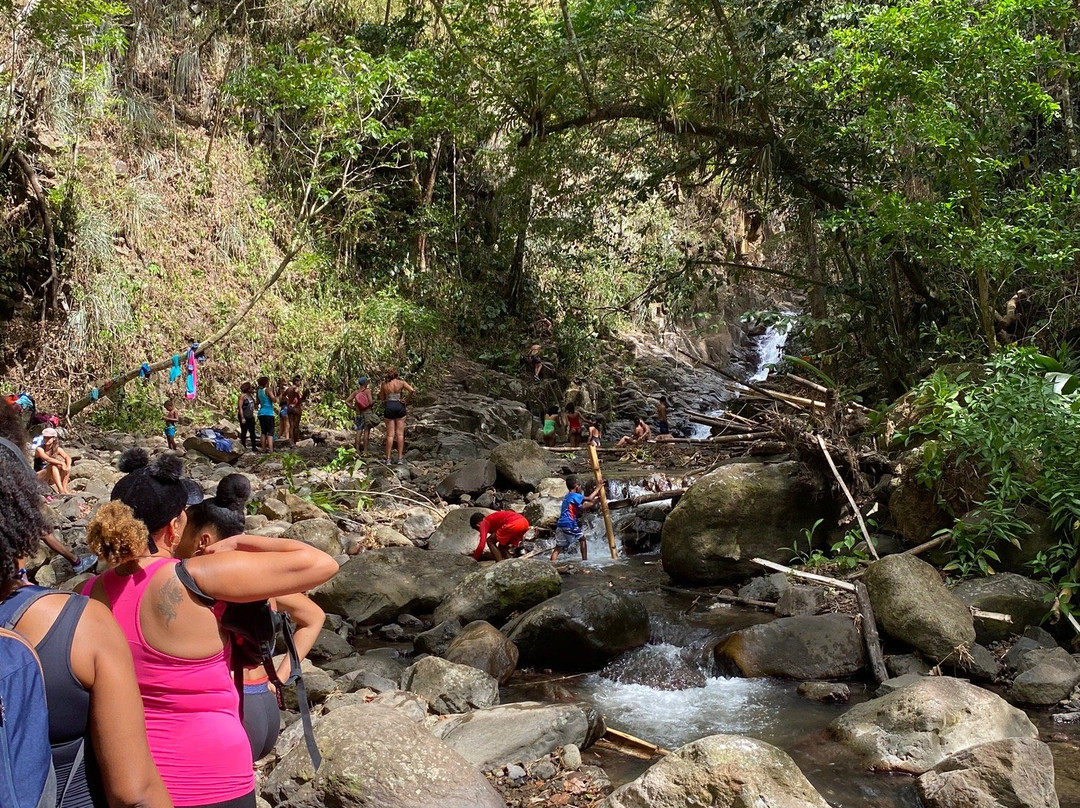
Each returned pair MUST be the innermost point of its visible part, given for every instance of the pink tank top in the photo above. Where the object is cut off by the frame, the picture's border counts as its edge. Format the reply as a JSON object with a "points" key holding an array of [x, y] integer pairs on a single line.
{"points": [[192, 706]]}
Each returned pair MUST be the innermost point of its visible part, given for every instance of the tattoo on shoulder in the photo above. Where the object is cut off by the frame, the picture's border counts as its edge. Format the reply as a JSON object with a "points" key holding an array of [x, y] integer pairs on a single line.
{"points": [[172, 593]]}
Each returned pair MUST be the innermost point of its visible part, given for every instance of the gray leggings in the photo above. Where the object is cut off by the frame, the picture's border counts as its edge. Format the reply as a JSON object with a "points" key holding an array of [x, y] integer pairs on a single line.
{"points": [[262, 719]]}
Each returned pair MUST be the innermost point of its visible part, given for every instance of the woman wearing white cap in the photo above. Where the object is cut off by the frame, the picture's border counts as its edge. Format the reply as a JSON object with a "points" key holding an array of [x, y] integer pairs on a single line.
{"points": [[52, 464]]}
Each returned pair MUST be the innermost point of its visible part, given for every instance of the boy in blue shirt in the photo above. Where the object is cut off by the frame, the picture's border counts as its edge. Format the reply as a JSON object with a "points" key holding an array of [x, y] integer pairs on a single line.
{"points": [[568, 529]]}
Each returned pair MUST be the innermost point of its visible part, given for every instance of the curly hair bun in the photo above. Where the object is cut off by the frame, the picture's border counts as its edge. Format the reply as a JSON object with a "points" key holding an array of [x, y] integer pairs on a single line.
{"points": [[133, 460], [233, 492], [115, 534], [166, 467]]}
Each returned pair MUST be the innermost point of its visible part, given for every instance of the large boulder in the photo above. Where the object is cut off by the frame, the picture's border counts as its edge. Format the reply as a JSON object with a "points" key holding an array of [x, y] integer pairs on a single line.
{"points": [[377, 586], [581, 629], [1006, 593], [319, 533], [513, 733], [522, 464], [495, 592], [914, 507], [916, 727], [473, 478], [720, 771], [1046, 676], [1011, 773], [375, 757], [480, 645], [299, 508], [912, 604], [543, 512], [740, 512], [827, 646], [454, 535], [449, 687]]}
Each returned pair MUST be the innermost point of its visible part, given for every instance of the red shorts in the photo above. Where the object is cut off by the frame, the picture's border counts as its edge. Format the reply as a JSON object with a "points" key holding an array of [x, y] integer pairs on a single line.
{"points": [[510, 534]]}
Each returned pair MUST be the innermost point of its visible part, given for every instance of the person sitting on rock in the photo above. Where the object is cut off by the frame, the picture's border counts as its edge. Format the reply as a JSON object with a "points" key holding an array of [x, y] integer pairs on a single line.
{"points": [[500, 533], [568, 528], [642, 432], [52, 464]]}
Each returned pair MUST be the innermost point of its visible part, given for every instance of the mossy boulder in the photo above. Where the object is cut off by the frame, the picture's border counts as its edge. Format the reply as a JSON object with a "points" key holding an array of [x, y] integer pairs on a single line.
{"points": [[495, 592]]}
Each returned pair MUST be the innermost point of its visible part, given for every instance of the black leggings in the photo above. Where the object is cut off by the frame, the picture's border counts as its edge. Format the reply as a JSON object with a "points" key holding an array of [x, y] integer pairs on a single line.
{"points": [[262, 719], [246, 426], [246, 801], [266, 424]]}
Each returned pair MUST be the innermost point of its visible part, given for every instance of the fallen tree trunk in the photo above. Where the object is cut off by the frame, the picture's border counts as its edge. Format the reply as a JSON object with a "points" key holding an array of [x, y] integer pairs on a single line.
{"points": [[870, 634], [633, 502]]}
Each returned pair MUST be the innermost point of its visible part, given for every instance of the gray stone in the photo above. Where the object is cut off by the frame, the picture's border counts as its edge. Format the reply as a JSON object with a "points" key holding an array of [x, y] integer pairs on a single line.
{"points": [[319, 685], [329, 646], [321, 534], [374, 756], [1011, 773], [825, 692], [900, 682], [767, 588], [912, 604], [494, 592], [543, 512], [437, 640], [522, 464], [450, 688], [371, 662], [571, 757], [408, 704], [253, 521], [981, 665], [454, 534], [523, 731], [720, 771], [386, 536], [552, 488], [915, 728], [275, 510], [827, 646], [1022, 598], [581, 629], [1040, 635], [299, 508], [376, 586], [739, 512], [418, 525], [1047, 676], [365, 680], [543, 770], [484, 647], [799, 600], [1020, 649], [516, 772], [899, 664], [473, 478]]}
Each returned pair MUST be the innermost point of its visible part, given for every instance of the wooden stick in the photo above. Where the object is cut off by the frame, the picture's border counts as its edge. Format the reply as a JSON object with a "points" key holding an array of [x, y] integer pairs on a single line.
{"points": [[998, 617], [870, 634], [850, 498], [810, 576], [817, 388], [633, 502], [618, 737], [757, 604], [603, 500]]}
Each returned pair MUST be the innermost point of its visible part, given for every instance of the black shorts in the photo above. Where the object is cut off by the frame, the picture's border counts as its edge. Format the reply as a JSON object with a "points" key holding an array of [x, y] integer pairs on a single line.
{"points": [[266, 424], [394, 410]]}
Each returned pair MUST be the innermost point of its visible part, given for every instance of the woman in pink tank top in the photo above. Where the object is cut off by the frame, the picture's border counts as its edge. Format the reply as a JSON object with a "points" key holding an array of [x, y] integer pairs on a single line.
{"points": [[181, 654]]}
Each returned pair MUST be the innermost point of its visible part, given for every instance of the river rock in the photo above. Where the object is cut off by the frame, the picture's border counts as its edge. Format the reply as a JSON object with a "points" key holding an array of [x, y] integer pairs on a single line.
{"points": [[386, 536], [495, 592], [581, 629], [1011, 773], [916, 727], [319, 533], [720, 771], [520, 732], [552, 488], [374, 756], [482, 646], [449, 687], [521, 463], [375, 587], [1046, 676], [274, 510], [437, 640], [914, 507], [826, 646], [825, 692], [473, 478], [740, 512], [912, 604], [418, 525], [454, 535], [299, 508], [318, 683], [1006, 593], [543, 512], [767, 588], [801, 600], [329, 645]]}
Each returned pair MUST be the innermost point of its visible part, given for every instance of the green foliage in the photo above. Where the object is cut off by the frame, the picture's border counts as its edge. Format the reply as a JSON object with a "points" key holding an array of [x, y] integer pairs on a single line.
{"points": [[1014, 422], [135, 409]]}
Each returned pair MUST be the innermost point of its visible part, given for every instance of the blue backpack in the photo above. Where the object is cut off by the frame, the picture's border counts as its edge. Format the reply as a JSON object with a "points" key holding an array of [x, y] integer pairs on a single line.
{"points": [[27, 779]]}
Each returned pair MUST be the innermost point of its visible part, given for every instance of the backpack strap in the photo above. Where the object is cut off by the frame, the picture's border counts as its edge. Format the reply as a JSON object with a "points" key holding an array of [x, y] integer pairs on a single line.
{"points": [[296, 678], [15, 450], [185, 578], [14, 606]]}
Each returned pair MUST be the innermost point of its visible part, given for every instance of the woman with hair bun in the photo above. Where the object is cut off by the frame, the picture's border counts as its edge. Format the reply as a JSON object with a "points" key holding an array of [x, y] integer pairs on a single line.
{"points": [[181, 653], [209, 522]]}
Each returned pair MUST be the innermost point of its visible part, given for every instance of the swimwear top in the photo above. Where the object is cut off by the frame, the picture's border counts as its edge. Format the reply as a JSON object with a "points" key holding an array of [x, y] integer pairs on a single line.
{"points": [[266, 406], [393, 396]]}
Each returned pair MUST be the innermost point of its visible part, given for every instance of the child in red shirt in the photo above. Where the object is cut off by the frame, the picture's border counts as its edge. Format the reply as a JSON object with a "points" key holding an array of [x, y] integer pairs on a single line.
{"points": [[499, 532]]}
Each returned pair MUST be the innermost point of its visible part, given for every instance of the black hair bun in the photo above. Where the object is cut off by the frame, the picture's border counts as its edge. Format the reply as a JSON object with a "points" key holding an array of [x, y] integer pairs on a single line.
{"points": [[133, 460], [166, 467], [233, 492]]}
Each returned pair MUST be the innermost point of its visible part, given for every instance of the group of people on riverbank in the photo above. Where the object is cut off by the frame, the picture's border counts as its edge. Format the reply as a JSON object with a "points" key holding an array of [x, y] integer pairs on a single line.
{"points": [[142, 705], [263, 405]]}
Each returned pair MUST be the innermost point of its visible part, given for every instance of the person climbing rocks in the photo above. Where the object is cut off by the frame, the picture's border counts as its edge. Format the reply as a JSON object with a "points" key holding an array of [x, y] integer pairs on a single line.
{"points": [[245, 412], [172, 417], [266, 401], [568, 528], [534, 361], [500, 533], [393, 393], [51, 463], [551, 423], [366, 417]]}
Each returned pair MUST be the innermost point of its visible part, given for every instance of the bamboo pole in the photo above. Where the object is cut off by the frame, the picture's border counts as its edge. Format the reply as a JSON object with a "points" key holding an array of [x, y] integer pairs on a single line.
{"points": [[603, 500], [850, 498], [870, 634], [810, 576]]}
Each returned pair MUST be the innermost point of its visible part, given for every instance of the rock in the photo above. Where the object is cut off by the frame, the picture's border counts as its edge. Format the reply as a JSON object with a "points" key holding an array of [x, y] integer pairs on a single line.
{"points": [[376, 586], [329, 646], [273, 530], [437, 640], [523, 731], [364, 680], [581, 629], [899, 664], [386, 536], [495, 592], [522, 464], [454, 534], [825, 692], [739, 512], [720, 771], [824, 646], [766, 587], [408, 704], [571, 757], [552, 488], [515, 772], [1020, 649], [915, 728], [482, 646], [899, 683], [450, 688], [1010, 773], [319, 533], [1047, 676], [543, 512], [1023, 598], [914, 507], [473, 478], [543, 770], [912, 604], [800, 600], [319, 685], [299, 508], [275, 510], [253, 521], [982, 665], [418, 525], [374, 756]]}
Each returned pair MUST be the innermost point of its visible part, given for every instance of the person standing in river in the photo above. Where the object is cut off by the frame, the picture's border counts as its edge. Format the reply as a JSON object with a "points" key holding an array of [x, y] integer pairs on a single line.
{"points": [[393, 393], [568, 528]]}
